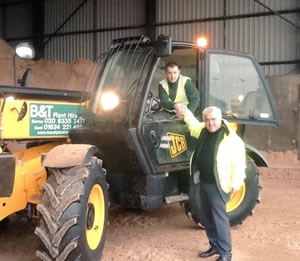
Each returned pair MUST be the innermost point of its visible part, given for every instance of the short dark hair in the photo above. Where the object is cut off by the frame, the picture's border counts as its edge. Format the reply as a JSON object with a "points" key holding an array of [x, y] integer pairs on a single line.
{"points": [[172, 65]]}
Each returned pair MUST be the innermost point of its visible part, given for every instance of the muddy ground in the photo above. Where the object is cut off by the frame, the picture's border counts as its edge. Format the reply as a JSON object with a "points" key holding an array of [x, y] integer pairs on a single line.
{"points": [[273, 233]]}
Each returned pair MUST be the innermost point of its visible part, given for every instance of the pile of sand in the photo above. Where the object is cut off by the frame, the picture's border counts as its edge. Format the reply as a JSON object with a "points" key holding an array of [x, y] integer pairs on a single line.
{"points": [[80, 75]]}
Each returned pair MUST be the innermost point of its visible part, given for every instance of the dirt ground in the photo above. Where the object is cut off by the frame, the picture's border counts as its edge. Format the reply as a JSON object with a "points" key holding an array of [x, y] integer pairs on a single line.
{"points": [[272, 233]]}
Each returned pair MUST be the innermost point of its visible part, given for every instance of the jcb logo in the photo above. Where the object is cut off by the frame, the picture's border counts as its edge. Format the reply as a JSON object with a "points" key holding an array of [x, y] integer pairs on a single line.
{"points": [[177, 144]]}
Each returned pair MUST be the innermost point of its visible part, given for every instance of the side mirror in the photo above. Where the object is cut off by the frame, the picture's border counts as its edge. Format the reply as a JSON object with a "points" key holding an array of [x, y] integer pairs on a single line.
{"points": [[163, 46], [23, 82]]}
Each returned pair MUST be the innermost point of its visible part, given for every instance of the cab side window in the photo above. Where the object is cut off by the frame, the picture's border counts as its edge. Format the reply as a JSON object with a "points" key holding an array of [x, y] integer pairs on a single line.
{"points": [[186, 58]]}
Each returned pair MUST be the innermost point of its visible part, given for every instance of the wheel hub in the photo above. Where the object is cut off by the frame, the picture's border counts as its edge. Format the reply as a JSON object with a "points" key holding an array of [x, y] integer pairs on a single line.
{"points": [[90, 216], [95, 217], [236, 199]]}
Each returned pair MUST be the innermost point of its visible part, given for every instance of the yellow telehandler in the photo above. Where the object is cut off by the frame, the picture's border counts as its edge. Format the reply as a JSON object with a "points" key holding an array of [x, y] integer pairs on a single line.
{"points": [[76, 150]]}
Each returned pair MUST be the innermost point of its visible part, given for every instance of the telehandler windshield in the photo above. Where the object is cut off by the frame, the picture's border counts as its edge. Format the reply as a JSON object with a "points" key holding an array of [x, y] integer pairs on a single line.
{"points": [[124, 75]]}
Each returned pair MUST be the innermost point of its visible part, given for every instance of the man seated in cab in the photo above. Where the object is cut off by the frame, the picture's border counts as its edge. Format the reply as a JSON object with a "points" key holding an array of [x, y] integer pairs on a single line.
{"points": [[177, 91]]}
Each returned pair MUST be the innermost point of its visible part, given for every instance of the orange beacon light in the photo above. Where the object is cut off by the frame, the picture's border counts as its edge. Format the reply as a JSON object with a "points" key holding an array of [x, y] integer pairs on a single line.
{"points": [[202, 42]]}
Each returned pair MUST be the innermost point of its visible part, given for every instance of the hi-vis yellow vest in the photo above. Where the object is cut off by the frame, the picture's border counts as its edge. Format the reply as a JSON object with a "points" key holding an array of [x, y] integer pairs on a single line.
{"points": [[231, 154], [180, 95]]}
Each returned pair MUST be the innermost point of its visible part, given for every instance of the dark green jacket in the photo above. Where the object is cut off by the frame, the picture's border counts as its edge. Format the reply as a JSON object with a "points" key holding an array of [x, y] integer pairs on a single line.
{"points": [[167, 101]]}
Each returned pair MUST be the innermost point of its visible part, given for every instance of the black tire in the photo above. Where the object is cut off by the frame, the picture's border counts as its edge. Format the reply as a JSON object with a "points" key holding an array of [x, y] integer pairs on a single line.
{"points": [[4, 224], [73, 213], [245, 205], [241, 204]]}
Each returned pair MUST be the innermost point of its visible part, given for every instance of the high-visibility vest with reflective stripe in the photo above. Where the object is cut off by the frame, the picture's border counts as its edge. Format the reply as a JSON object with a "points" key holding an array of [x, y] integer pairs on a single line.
{"points": [[231, 154], [181, 97]]}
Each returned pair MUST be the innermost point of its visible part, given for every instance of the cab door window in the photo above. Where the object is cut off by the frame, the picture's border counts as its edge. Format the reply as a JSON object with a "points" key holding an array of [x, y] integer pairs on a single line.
{"points": [[186, 58], [237, 86]]}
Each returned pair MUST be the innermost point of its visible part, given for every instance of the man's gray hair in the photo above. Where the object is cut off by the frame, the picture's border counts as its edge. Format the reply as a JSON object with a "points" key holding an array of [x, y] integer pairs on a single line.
{"points": [[212, 109]]}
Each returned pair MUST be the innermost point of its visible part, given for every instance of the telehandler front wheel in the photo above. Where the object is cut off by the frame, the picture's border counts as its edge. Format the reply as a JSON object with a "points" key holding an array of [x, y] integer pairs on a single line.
{"points": [[73, 213], [4, 224], [241, 204]]}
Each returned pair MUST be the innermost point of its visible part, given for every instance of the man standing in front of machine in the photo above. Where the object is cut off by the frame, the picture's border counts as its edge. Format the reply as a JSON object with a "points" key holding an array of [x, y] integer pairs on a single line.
{"points": [[218, 165], [177, 91]]}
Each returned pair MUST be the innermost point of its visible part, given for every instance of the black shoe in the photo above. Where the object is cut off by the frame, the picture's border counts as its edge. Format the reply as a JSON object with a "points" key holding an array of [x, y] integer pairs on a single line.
{"points": [[224, 258], [209, 252]]}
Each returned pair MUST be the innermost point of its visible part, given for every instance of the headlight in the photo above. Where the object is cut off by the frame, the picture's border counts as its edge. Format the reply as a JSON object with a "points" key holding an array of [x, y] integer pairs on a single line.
{"points": [[109, 101]]}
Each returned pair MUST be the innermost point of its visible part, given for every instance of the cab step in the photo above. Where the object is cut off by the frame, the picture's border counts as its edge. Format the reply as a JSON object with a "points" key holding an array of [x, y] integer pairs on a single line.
{"points": [[176, 198]]}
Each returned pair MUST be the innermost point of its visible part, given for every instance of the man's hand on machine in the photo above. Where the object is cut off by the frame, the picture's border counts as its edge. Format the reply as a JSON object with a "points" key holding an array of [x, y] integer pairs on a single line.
{"points": [[180, 109]]}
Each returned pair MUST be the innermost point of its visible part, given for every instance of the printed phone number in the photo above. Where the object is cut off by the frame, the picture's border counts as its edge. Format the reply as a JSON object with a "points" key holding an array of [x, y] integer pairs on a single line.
{"points": [[57, 127], [78, 121]]}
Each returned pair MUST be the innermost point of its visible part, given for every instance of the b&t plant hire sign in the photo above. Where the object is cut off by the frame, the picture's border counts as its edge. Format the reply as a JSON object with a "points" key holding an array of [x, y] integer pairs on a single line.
{"points": [[54, 119]]}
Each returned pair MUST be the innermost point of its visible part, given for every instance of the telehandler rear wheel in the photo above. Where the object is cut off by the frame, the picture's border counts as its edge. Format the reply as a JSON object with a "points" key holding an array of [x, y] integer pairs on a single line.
{"points": [[73, 213], [241, 204]]}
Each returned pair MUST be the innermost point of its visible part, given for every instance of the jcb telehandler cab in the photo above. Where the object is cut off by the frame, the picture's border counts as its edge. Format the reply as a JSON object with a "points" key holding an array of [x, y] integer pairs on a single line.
{"points": [[119, 127]]}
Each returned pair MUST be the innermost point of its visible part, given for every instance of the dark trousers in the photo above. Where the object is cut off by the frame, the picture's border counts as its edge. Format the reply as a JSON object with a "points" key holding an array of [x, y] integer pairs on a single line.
{"points": [[216, 219]]}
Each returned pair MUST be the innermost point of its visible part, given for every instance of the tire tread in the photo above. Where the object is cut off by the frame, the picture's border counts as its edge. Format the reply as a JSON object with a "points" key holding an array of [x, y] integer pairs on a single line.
{"points": [[63, 188]]}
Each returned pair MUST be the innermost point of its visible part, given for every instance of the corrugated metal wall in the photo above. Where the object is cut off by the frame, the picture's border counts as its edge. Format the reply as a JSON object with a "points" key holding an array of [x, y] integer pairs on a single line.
{"points": [[267, 38], [87, 33], [235, 25], [98, 21], [16, 21], [2, 24], [240, 25], [67, 47], [19, 18]]}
